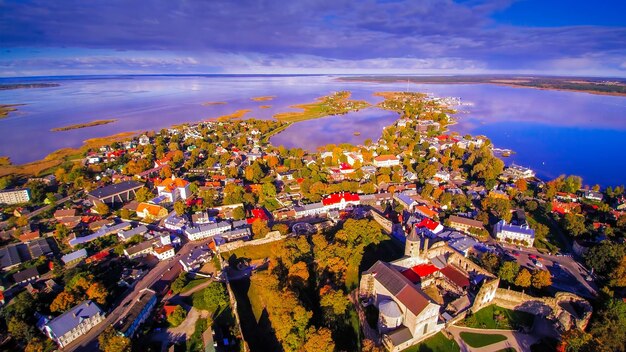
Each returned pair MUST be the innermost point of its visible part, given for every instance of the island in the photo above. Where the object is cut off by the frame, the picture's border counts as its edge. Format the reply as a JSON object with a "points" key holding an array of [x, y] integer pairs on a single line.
{"points": [[264, 98], [83, 125], [235, 115], [265, 106], [28, 85], [5, 109], [211, 103], [334, 104]]}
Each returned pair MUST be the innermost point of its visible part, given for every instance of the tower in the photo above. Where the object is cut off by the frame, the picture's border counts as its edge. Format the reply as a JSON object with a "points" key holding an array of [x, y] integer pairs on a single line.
{"points": [[412, 244]]}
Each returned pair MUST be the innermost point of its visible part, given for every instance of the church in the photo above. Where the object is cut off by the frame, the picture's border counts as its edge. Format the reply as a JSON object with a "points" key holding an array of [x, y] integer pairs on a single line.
{"points": [[417, 295]]}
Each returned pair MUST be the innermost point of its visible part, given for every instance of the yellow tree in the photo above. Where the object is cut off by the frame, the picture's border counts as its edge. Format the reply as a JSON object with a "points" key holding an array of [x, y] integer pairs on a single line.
{"points": [[541, 279], [523, 278], [97, 292], [618, 276], [318, 340], [63, 302]]}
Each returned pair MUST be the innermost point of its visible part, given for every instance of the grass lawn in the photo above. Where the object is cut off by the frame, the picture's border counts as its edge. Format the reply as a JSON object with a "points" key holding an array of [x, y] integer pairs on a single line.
{"points": [[494, 317], [437, 343], [193, 283], [261, 251], [481, 340]]}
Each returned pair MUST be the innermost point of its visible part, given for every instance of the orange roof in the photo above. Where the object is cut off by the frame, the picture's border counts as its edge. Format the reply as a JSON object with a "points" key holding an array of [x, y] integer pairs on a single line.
{"points": [[29, 236], [161, 250], [385, 158], [170, 184], [168, 309], [151, 208], [426, 211]]}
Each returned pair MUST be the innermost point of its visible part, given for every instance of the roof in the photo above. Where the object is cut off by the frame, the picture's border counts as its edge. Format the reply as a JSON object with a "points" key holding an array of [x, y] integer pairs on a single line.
{"points": [[39, 247], [73, 317], [428, 223], [399, 286], [145, 299], [338, 197], [70, 257], [110, 190], [426, 211], [25, 274], [455, 276], [400, 335], [465, 221], [152, 209], [172, 183], [161, 250], [141, 229], [63, 213], [524, 230], [139, 247], [224, 225], [103, 231], [386, 158]]}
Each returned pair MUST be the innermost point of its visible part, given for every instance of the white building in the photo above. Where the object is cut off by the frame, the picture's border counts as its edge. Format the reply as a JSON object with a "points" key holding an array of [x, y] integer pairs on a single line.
{"points": [[522, 235], [516, 172], [72, 324], [200, 232], [174, 189], [309, 209], [164, 252], [15, 196], [386, 161]]}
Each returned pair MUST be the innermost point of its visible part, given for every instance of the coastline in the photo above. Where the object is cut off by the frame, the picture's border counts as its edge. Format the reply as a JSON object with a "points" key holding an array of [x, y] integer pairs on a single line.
{"points": [[6, 109], [329, 105]]}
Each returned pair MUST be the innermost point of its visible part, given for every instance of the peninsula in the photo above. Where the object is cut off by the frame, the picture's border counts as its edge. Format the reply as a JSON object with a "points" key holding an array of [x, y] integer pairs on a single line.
{"points": [[337, 103], [83, 125], [5, 109]]}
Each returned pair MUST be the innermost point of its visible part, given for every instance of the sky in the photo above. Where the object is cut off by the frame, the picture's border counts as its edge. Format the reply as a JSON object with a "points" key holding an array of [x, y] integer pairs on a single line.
{"points": [[551, 37]]}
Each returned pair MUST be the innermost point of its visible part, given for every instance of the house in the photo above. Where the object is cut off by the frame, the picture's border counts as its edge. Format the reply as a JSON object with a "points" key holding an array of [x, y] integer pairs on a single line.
{"points": [[26, 275], [103, 231], [61, 214], [125, 235], [15, 196], [144, 140], [174, 189], [72, 324], [241, 234], [522, 235], [196, 258], [139, 250], [426, 211], [405, 200], [340, 200], [309, 209], [593, 195], [517, 172], [199, 232], [129, 324], [151, 212], [464, 224], [39, 247], [164, 252], [116, 193], [386, 161], [74, 257], [12, 256]]}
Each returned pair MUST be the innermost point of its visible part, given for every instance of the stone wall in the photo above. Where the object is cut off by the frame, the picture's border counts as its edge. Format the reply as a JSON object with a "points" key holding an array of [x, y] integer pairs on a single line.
{"points": [[270, 237]]}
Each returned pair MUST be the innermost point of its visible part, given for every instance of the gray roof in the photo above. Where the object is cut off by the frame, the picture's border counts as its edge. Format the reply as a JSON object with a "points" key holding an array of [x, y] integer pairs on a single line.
{"points": [[9, 256], [139, 230], [224, 225], [311, 206], [139, 247], [25, 274], [73, 317], [405, 199], [110, 190], [39, 247], [524, 230], [103, 231], [466, 221], [81, 253], [400, 336]]}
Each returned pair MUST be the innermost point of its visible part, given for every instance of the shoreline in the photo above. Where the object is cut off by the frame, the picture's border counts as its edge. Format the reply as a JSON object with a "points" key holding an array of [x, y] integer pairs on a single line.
{"points": [[7, 109]]}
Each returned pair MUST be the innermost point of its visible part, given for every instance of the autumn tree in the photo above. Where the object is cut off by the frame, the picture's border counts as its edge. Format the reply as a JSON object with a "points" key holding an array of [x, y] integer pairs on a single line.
{"points": [[143, 194], [101, 208], [490, 261], [97, 293], [180, 208], [111, 341], [19, 329], [334, 303], [36, 344], [574, 224], [239, 213], [618, 276], [541, 279], [63, 301], [177, 316], [523, 278], [259, 229], [508, 271], [318, 340]]}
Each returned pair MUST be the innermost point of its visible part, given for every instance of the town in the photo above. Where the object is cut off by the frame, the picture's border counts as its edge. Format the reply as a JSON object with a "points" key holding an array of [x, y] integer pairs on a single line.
{"points": [[206, 237]]}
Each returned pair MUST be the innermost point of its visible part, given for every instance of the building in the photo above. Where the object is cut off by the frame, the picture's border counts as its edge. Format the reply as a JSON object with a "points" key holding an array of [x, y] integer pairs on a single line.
{"points": [[139, 250], [149, 211], [103, 231], [200, 232], [405, 200], [196, 258], [74, 257], [72, 324], [15, 196], [464, 224], [164, 252], [593, 195], [26, 275], [415, 293], [522, 235], [138, 313], [174, 189], [340, 200], [386, 161], [126, 235], [517, 172], [116, 193], [309, 209]]}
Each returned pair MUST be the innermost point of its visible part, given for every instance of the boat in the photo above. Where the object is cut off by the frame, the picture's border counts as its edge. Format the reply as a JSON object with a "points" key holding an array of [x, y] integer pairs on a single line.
{"points": [[357, 133]]}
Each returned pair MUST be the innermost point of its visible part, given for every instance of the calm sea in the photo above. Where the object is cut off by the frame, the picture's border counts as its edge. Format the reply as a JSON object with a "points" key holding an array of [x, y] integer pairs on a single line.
{"points": [[552, 132]]}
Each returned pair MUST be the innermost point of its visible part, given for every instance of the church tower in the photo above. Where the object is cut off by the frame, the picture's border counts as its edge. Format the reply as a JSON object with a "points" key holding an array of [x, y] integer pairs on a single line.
{"points": [[412, 244]]}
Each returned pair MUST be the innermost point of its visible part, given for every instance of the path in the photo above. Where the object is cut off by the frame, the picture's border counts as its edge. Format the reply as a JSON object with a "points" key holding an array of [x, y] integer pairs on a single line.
{"points": [[519, 341]]}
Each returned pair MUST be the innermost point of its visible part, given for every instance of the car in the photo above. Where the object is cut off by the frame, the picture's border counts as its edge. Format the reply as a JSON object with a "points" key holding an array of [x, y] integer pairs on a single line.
{"points": [[515, 253], [532, 256], [538, 264]]}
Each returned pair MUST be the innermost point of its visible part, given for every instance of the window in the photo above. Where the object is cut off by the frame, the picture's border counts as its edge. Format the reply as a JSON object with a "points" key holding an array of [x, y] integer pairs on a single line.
{"points": [[425, 329]]}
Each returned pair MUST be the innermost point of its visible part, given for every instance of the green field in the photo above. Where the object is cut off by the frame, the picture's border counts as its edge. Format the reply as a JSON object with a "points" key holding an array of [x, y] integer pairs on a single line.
{"points": [[494, 317], [437, 343], [261, 251], [481, 340], [193, 283]]}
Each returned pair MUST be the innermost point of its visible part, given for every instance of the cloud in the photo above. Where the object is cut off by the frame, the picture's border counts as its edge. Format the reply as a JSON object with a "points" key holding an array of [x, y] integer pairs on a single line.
{"points": [[423, 34]]}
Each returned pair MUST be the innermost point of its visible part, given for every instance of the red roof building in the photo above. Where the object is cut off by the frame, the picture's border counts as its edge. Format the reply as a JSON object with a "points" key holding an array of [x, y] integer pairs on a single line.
{"points": [[343, 197], [428, 223], [455, 276], [416, 273]]}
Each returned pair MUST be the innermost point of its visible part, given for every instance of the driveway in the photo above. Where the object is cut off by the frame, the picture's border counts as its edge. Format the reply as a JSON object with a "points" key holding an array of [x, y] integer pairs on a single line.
{"points": [[519, 341]]}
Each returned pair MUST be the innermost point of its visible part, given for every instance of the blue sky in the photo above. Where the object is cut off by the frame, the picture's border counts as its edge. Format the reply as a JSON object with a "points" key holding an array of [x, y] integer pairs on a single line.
{"points": [[43, 37]]}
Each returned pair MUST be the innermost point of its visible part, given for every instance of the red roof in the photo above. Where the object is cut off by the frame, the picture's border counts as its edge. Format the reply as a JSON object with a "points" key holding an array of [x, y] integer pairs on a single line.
{"points": [[455, 276], [416, 273], [337, 197], [427, 223], [168, 310], [345, 166]]}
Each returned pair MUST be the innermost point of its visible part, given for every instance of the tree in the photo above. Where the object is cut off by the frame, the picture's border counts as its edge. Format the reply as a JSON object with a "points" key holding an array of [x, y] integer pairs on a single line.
{"points": [[111, 341], [19, 329], [177, 316], [35, 345], [143, 194], [63, 301], [282, 228], [211, 298], [605, 257], [97, 293], [541, 279], [508, 271], [370, 346], [125, 214], [318, 340], [259, 229], [574, 224], [180, 283], [575, 340], [490, 262], [102, 208], [179, 208], [609, 326], [618, 276], [523, 278], [239, 213], [334, 302]]}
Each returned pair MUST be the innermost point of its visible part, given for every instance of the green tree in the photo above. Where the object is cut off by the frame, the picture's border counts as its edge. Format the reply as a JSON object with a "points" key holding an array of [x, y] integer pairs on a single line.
{"points": [[508, 271], [143, 194], [211, 298], [239, 213], [609, 326], [574, 224], [490, 262], [112, 341], [20, 330], [605, 257], [180, 283], [259, 229], [177, 316], [179, 208]]}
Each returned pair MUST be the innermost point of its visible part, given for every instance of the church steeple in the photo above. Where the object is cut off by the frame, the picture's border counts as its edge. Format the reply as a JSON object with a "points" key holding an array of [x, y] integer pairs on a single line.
{"points": [[412, 245]]}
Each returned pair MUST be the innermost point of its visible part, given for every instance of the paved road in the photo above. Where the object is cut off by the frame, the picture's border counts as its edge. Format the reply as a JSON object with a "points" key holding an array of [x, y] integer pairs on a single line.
{"points": [[38, 211], [88, 342]]}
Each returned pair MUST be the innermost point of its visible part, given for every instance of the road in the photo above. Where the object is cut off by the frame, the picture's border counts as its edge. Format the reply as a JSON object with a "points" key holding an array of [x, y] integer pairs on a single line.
{"points": [[88, 341], [38, 211]]}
